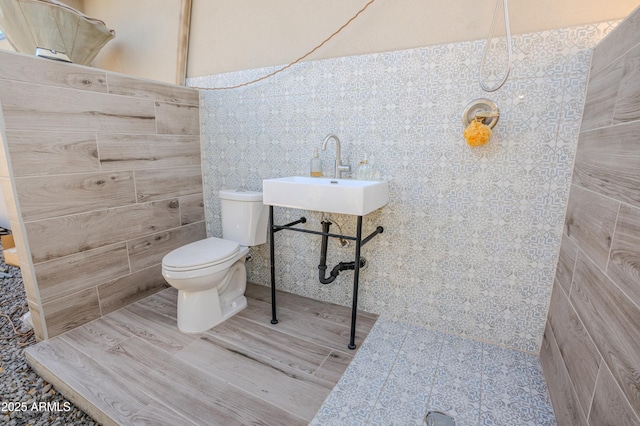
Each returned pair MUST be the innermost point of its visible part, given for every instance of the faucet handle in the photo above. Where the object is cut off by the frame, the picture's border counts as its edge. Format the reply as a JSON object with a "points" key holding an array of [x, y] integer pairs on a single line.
{"points": [[343, 168]]}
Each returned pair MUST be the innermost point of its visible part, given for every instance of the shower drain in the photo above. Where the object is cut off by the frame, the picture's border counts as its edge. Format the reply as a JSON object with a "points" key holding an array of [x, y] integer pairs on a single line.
{"points": [[437, 418]]}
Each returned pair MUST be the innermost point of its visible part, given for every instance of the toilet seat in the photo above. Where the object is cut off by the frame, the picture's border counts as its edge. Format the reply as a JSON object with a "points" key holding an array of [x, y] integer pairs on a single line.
{"points": [[201, 254]]}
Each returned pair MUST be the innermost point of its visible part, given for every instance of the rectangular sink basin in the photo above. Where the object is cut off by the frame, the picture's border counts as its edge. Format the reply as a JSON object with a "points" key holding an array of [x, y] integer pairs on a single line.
{"points": [[343, 196]]}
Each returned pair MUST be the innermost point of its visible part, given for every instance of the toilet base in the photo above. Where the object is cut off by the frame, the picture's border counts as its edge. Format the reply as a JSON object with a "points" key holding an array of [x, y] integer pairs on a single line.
{"points": [[200, 312]]}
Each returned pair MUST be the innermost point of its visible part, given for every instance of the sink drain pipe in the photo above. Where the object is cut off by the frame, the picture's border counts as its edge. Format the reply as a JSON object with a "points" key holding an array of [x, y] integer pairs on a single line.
{"points": [[342, 266]]}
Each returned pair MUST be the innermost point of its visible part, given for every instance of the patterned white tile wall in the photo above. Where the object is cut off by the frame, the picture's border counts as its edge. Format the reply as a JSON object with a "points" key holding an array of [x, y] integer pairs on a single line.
{"points": [[471, 234]]}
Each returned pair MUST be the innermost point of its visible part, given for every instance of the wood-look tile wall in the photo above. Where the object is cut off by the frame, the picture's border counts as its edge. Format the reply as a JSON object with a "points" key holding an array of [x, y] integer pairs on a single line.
{"points": [[103, 177], [591, 348]]}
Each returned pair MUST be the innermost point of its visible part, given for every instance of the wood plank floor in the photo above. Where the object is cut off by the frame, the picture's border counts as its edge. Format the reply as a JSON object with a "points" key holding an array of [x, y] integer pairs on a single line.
{"points": [[134, 367]]}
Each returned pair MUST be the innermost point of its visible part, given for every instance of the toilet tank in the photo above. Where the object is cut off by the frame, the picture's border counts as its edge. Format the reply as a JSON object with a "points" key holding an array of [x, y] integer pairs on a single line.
{"points": [[244, 217]]}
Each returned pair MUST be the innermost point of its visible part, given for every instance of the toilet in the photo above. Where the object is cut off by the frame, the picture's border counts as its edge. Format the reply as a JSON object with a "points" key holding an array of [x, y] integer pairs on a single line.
{"points": [[210, 274]]}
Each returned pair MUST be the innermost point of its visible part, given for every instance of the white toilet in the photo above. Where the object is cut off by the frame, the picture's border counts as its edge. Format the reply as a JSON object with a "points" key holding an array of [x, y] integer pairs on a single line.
{"points": [[210, 274]]}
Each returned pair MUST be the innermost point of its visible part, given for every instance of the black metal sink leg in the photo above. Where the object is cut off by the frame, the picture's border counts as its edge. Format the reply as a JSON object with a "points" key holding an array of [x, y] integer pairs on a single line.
{"points": [[274, 320], [356, 277]]}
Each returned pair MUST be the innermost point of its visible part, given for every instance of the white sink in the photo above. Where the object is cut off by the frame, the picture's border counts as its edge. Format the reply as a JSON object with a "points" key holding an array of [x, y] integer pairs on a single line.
{"points": [[343, 196]]}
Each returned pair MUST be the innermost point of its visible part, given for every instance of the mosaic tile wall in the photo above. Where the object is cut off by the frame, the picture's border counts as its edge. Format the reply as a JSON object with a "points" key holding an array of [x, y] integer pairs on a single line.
{"points": [[471, 234]]}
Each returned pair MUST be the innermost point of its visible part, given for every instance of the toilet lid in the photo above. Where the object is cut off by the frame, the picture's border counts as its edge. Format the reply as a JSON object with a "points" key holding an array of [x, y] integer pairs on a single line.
{"points": [[209, 251]]}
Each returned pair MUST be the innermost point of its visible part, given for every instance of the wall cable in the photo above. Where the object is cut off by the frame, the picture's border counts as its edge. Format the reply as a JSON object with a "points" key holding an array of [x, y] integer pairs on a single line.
{"points": [[353, 18], [25, 338], [486, 48]]}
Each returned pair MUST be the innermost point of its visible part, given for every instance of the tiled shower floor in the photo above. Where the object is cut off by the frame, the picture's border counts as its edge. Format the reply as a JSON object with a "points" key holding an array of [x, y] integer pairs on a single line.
{"points": [[401, 372]]}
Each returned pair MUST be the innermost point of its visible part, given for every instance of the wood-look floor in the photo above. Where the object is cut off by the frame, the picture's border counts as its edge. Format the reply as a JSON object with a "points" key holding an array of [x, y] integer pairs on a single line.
{"points": [[134, 366]]}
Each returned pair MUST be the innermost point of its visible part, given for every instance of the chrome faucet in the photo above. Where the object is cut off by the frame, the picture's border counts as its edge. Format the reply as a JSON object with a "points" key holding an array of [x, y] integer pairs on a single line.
{"points": [[339, 167]]}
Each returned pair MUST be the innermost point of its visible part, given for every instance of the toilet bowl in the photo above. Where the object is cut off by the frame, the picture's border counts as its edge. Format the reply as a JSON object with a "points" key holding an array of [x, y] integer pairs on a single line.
{"points": [[210, 277], [210, 274]]}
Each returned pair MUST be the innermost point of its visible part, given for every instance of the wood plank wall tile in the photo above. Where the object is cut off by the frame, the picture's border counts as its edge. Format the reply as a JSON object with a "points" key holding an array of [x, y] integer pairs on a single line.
{"points": [[75, 139], [129, 152], [566, 405], [177, 119], [10, 202], [67, 110], [191, 209], [590, 223], [608, 161], [39, 326], [605, 289], [52, 153], [578, 351], [149, 250], [23, 68], [617, 42], [627, 107], [130, 86], [19, 238], [610, 407], [4, 164], [126, 290], [566, 262], [612, 320], [601, 96], [67, 275], [29, 282], [69, 312], [624, 263], [158, 184], [62, 236], [76, 193]]}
